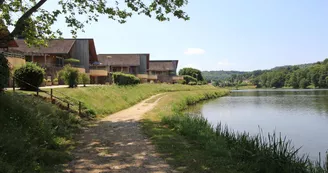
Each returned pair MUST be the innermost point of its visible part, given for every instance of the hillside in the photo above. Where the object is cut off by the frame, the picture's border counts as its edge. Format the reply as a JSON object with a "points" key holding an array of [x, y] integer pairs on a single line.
{"points": [[220, 75]]}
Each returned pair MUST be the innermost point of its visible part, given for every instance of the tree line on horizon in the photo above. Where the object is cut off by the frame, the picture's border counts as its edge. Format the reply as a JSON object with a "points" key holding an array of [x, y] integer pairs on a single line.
{"points": [[298, 76]]}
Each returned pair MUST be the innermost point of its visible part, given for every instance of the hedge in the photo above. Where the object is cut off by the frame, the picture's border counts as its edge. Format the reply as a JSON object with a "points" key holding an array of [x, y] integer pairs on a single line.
{"points": [[125, 79]]}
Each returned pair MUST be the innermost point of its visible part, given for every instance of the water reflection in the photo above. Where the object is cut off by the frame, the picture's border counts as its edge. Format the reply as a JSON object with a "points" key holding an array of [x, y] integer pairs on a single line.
{"points": [[301, 115]]}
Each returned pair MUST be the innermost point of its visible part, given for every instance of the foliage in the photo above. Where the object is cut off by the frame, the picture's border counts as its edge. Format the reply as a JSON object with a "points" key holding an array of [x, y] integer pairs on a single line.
{"points": [[220, 75], [192, 83], [298, 76], [56, 80], [188, 79], [125, 79], [194, 145], [29, 76], [4, 72], [71, 61], [70, 75], [181, 81], [34, 134], [192, 72], [30, 20], [84, 78]]}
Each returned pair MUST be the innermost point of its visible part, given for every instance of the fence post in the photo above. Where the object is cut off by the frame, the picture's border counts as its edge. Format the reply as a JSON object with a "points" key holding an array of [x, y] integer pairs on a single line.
{"points": [[51, 94], [37, 91], [13, 85], [67, 106], [80, 107]]}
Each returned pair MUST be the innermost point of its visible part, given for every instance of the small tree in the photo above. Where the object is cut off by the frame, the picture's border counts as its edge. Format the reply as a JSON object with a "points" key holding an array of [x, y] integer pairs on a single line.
{"points": [[84, 79], [70, 75], [4, 72], [192, 72], [29, 76]]}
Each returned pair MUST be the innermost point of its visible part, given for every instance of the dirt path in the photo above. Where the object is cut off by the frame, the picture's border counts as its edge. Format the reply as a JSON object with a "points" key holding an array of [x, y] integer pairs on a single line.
{"points": [[116, 144]]}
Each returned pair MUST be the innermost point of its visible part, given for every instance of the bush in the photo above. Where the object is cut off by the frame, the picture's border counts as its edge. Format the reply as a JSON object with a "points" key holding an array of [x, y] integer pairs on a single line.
{"points": [[181, 81], [4, 72], [29, 76], [56, 80], [84, 78], [192, 83], [125, 79], [69, 75], [188, 79], [192, 72]]}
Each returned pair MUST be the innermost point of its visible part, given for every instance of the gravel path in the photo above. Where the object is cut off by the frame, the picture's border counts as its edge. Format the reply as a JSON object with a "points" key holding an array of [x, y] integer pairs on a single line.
{"points": [[117, 144]]}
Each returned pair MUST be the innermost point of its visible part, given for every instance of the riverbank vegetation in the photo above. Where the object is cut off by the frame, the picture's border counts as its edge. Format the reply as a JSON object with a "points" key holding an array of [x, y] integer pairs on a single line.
{"points": [[35, 135], [191, 144], [298, 76]]}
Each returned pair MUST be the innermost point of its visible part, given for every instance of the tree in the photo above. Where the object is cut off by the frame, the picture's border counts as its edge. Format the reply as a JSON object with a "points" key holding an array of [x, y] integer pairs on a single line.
{"points": [[4, 72], [30, 19], [192, 72], [70, 75]]}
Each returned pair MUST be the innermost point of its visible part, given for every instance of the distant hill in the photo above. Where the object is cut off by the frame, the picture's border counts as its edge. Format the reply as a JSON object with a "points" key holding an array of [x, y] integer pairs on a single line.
{"points": [[224, 75], [299, 65], [220, 75]]}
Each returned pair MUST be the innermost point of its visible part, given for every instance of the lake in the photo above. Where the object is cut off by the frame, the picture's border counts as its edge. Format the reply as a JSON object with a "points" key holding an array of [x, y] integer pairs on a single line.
{"points": [[300, 115]]}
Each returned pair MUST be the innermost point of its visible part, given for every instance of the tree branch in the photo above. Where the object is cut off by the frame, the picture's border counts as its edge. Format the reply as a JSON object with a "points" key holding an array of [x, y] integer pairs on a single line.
{"points": [[20, 22]]}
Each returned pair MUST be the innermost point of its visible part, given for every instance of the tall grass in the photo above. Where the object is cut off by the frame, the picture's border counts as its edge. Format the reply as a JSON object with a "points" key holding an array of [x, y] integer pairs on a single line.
{"points": [[192, 144], [34, 135]]}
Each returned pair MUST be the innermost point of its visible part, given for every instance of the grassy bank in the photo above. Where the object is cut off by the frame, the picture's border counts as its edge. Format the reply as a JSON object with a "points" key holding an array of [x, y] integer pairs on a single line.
{"points": [[191, 144], [34, 135], [104, 100]]}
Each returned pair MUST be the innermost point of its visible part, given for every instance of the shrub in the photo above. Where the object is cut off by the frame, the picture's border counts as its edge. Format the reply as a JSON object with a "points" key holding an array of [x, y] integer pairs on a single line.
{"points": [[69, 75], [29, 76], [4, 72], [192, 83], [192, 72], [188, 79], [56, 80], [84, 78], [181, 81], [125, 79]]}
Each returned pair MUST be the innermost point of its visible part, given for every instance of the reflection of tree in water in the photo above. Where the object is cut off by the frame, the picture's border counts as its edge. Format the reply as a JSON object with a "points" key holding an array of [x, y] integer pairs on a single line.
{"points": [[316, 100]]}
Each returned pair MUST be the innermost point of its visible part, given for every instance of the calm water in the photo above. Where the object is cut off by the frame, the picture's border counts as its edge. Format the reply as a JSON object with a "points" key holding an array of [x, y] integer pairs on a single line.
{"points": [[301, 115]]}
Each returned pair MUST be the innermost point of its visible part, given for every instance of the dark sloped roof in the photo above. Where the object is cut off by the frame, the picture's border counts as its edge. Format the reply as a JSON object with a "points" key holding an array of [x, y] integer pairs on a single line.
{"points": [[60, 46], [119, 59], [165, 65]]}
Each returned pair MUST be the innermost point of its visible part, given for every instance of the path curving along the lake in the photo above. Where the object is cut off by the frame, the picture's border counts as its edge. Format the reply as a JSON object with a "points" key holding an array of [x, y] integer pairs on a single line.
{"points": [[117, 144]]}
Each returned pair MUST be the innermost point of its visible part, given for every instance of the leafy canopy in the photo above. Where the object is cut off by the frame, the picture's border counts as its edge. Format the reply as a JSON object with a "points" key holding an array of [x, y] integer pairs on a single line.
{"points": [[31, 20], [195, 73]]}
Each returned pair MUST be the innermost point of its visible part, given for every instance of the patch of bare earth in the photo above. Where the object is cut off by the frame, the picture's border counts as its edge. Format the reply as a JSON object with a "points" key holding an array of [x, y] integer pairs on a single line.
{"points": [[117, 144]]}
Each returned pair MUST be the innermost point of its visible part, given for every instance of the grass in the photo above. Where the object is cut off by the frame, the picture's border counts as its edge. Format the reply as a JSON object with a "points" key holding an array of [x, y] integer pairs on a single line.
{"points": [[35, 135], [191, 144], [104, 100]]}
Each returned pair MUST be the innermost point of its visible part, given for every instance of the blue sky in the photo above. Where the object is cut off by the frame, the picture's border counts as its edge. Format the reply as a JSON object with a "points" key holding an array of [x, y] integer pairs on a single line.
{"points": [[223, 34]]}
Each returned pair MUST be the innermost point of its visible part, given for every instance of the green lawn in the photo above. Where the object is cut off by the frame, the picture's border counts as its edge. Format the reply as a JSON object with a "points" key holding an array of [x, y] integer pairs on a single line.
{"points": [[104, 100]]}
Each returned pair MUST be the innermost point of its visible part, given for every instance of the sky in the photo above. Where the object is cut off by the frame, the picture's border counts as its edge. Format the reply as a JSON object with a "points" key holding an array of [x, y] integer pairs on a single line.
{"points": [[240, 35]]}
